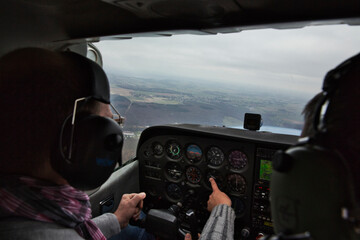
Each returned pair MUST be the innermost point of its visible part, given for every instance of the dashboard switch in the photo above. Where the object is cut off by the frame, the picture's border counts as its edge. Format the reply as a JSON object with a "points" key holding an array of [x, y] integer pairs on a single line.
{"points": [[245, 233], [259, 236]]}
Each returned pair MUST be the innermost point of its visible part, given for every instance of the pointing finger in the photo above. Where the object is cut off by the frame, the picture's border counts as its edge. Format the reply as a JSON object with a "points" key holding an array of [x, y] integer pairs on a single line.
{"points": [[213, 185]]}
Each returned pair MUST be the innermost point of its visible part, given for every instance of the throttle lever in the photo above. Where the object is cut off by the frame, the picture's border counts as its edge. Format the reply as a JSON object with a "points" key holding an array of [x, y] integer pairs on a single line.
{"points": [[193, 224]]}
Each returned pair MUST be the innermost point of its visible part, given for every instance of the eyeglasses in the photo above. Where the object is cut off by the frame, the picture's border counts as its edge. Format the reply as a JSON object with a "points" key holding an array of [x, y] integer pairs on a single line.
{"points": [[116, 116], [115, 113]]}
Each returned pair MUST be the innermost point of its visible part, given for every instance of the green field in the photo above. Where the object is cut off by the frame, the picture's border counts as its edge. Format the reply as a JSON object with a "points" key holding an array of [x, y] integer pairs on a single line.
{"points": [[202, 104]]}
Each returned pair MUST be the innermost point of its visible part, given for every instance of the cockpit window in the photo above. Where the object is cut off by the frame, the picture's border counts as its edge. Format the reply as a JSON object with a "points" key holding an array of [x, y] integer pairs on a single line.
{"points": [[216, 79]]}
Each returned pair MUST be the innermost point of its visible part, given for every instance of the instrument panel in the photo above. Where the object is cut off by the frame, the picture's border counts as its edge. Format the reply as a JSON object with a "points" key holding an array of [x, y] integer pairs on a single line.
{"points": [[176, 162]]}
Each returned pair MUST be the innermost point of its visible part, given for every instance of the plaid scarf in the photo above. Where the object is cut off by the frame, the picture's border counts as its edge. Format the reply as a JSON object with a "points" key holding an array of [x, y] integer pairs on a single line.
{"points": [[43, 201]]}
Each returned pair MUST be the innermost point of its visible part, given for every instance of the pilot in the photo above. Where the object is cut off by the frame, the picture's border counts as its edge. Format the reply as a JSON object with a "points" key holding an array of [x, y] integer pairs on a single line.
{"points": [[38, 91], [326, 203]]}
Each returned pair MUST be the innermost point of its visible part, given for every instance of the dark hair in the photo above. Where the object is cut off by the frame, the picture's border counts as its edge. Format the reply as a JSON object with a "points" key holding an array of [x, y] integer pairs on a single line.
{"points": [[309, 115], [38, 90]]}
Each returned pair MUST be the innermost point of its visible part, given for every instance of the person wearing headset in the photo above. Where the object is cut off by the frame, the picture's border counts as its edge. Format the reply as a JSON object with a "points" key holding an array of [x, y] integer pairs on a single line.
{"points": [[315, 184], [53, 102], [49, 101]]}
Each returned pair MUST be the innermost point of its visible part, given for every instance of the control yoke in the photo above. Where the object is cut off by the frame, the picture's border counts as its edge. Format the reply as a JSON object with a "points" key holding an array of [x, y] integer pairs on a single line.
{"points": [[164, 223]]}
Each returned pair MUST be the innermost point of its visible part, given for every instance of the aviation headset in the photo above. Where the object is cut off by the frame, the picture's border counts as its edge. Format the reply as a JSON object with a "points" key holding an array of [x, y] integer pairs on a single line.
{"points": [[88, 148], [312, 187]]}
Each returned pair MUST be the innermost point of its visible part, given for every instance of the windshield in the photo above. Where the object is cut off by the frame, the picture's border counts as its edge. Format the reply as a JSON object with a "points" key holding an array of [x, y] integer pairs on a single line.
{"points": [[216, 79]]}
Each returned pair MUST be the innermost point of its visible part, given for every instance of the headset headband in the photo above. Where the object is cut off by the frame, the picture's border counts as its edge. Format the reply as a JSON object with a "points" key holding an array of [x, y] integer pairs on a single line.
{"points": [[332, 78], [100, 89], [330, 84]]}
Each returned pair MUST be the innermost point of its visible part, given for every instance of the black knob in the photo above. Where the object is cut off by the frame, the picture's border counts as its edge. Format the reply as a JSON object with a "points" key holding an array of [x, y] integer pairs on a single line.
{"points": [[174, 209], [245, 233]]}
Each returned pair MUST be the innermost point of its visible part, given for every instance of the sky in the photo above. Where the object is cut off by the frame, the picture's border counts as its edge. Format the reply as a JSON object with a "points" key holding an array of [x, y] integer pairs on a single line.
{"points": [[292, 60]]}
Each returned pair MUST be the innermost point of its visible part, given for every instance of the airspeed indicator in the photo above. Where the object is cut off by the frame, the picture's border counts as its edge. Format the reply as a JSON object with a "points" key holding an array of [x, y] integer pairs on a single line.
{"points": [[173, 150]]}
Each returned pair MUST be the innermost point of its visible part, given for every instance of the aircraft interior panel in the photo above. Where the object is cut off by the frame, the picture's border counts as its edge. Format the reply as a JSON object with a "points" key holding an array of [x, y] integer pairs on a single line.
{"points": [[177, 161]]}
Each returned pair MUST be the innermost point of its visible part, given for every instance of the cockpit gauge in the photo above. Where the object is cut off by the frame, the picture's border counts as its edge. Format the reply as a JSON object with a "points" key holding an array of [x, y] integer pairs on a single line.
{"points": [[193, 153], [237, 160], [215, 156], [217, 177], [174, 191], [193, 175], [158, 149], [147, 153], [236, 183], [173, 150], [174, 171]]}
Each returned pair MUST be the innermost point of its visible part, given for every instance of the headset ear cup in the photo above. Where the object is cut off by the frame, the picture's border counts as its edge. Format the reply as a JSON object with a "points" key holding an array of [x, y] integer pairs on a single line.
{"points": [[97, 147], [282, 162], [310, 195]]}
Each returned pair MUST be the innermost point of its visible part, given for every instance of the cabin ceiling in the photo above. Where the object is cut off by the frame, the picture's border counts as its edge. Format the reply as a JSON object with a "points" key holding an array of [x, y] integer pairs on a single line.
{"points": [[57, 23]]}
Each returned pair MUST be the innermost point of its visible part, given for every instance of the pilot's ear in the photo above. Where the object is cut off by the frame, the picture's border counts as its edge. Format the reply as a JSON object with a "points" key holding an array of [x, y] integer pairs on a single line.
{"points": [[86, 154]]}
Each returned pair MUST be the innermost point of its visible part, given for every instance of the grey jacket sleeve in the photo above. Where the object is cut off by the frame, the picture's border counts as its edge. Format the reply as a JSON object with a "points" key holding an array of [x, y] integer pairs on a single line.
{"points": [[108, 224], [220, 224]]}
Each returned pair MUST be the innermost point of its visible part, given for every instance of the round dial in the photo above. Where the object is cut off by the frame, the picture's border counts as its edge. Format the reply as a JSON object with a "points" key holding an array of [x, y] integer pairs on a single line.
{"points": [[193, 153], [215, 156], [174, 191], [217, 176], [147, 153], [236, 183], [193, 175], [158, 149], [173, 170], [238, 160], [173, 150]]}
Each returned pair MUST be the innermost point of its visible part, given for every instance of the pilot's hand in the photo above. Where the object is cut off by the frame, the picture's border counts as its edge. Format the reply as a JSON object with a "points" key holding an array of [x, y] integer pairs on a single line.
{"points": [[188, 236], [217, 197], [130, 207], [138, 209]]}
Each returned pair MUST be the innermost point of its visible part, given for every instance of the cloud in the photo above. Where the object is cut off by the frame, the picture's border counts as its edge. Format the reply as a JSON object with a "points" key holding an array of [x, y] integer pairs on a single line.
{"points": [[286, 60]]}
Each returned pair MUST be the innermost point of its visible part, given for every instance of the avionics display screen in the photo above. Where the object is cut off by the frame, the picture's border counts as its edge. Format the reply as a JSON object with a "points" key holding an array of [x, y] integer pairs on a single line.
{"points": [[265, 169]]}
